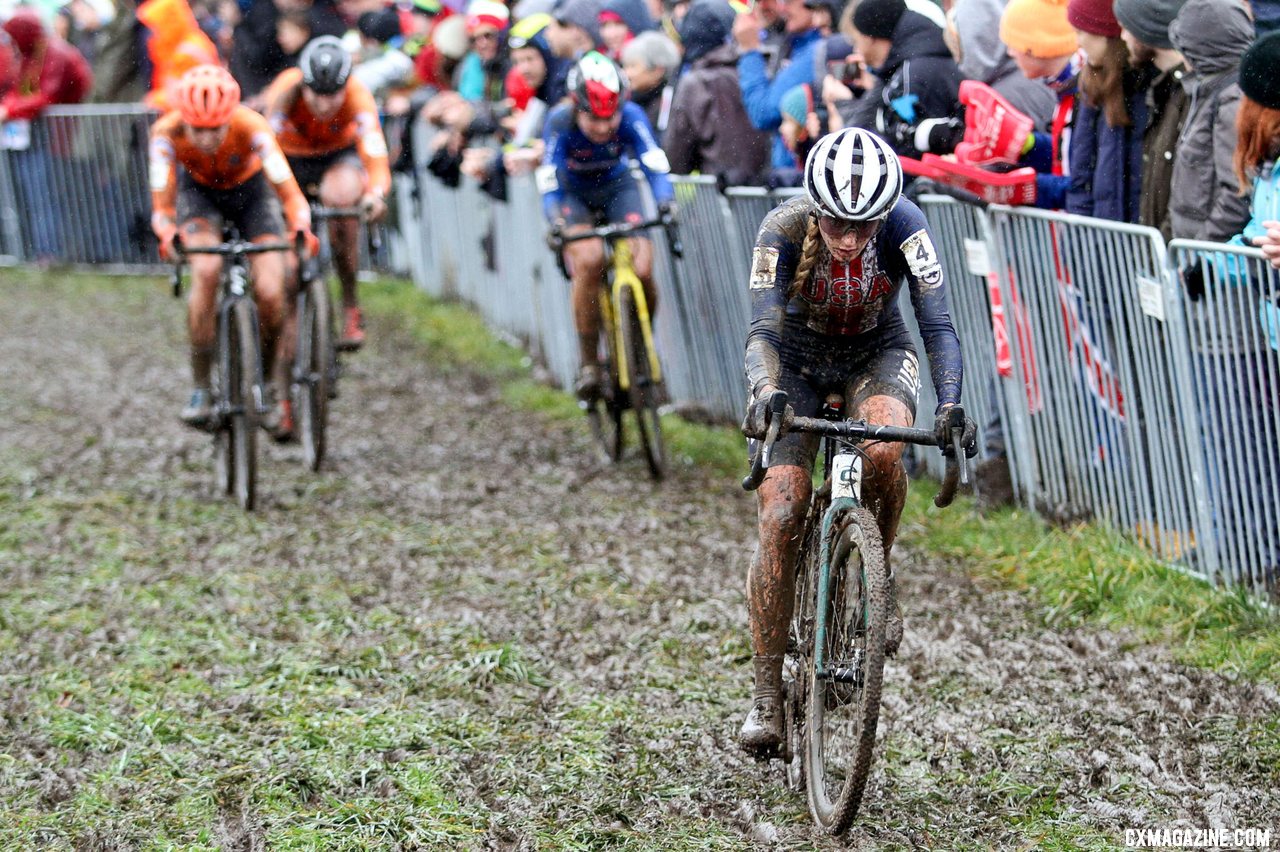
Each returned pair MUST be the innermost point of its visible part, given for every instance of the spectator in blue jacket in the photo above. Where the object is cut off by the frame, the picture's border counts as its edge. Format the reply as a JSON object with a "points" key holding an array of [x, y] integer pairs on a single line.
{"points": [[761, 96]]}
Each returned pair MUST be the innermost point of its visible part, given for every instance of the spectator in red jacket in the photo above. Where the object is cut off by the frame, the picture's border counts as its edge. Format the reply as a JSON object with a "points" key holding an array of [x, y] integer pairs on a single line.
{"points": [[50, 71]]}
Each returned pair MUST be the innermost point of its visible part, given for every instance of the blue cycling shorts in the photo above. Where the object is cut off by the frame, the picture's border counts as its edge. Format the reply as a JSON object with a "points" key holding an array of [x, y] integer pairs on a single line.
{"points": [[616, 201]]}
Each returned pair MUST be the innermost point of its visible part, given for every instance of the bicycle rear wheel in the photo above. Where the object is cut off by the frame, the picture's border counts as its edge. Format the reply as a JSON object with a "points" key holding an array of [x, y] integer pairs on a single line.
{"points": [[643, 392], [313, 373], [843, 705], [242, 415]]}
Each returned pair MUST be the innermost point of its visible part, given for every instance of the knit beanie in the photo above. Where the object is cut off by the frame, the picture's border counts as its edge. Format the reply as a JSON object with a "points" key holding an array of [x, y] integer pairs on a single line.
{"points": [[1094, 16], [382, 26], [1038, 28], [1149, 20], [580, 13], [705, 27], [1260, 71], [878, 18], [796, 103], [487, 13]]}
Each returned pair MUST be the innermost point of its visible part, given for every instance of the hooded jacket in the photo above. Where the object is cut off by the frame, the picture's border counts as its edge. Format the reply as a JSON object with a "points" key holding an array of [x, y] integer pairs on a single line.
{"points": [[919, 80], [50, 71], [985, 58], [709, 131], [634, 13], [1205, 203], [177, 44]]}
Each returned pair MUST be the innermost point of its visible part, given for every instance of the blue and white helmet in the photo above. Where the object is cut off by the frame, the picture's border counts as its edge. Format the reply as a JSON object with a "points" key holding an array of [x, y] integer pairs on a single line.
{"points": [[853, 174]]}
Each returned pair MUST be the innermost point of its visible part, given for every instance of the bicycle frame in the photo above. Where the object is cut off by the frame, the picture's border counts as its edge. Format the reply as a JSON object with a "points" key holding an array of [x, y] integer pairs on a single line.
{"points": [[624, 275]]}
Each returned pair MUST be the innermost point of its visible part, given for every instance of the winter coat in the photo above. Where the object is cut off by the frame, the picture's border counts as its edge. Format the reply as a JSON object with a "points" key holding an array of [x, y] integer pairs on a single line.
{"points": [[1206, 203], [985, 58], [919, 80], [1106, 161], [709, 131], [53, 74], [256, 57], [1167, 104], [762, 96]]}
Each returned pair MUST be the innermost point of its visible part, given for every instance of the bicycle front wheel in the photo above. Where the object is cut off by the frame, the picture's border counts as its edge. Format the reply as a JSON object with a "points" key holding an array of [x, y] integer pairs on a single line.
{"points": [[844, 699], [312, 370], [643, 390], [243, 403]]}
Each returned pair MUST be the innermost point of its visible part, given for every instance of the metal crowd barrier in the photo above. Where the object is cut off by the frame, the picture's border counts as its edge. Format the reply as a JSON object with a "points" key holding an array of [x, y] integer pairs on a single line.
{"points": [[1112, 394]]}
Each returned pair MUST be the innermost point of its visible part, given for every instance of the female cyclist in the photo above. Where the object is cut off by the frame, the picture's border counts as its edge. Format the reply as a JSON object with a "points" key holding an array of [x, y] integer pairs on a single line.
{"points": [[825, 276]]}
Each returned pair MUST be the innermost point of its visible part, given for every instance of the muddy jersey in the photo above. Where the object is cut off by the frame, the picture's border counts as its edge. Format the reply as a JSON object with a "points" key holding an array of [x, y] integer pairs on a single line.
{"points": [[853, 304], [575, 165], [355, 124], [250, 147]]}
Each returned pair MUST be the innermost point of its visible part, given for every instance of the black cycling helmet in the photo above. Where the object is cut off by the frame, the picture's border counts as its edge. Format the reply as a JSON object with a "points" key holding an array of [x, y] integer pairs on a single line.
{"points": [[325, 65]]}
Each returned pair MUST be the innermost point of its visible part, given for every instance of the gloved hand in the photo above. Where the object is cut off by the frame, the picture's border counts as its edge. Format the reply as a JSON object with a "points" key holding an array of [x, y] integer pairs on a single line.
{"points": [[756, 422], [942, 429], [310, 242], [1192, 276], [166, 236], [374, 207], [994, 131], [555, 235]]}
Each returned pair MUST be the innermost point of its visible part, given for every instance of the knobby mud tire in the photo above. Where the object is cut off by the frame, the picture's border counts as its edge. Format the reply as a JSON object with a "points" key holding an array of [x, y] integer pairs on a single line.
{"points": [[841, 719], [643, 393], [795, 669], [243, 419]]}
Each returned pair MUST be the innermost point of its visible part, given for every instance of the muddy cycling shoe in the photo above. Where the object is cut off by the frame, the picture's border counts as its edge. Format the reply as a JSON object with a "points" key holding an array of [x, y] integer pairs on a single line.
{"points": [[283, 430], [588, 385], [199, 410], [761, 734], [352, 331]]}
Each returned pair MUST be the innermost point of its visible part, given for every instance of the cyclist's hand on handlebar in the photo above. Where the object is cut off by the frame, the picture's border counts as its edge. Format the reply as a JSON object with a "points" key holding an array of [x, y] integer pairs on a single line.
{"points": [[667, 212], [555, 235], [756, 422], [942, 428], [309, 240], [166, 247], [374, 207]]}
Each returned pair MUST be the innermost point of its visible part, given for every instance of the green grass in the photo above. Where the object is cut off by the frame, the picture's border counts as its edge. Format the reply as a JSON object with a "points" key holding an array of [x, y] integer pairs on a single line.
{"points": [[1083, 573]]}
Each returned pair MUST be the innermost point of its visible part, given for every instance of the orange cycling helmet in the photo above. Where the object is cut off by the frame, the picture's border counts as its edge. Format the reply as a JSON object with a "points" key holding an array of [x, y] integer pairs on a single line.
{"points": [[206, 96]]}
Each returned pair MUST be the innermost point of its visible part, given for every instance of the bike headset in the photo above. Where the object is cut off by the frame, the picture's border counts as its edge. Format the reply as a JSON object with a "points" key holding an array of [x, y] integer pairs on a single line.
{"points": [[853, 175], [325, 64], [597, 85]]}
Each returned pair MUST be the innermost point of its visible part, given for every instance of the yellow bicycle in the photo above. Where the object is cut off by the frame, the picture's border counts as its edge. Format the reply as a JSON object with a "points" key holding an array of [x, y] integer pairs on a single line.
{"points": [[631, 360]]}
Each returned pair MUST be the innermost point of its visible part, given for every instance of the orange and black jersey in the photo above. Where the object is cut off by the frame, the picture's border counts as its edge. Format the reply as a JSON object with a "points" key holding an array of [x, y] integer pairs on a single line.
{"points": [[250, 147], [354, 124]]}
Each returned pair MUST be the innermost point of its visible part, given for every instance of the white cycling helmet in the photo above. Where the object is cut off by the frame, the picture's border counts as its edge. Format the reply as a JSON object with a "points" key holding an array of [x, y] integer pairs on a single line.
{"points": [[853, 174]]}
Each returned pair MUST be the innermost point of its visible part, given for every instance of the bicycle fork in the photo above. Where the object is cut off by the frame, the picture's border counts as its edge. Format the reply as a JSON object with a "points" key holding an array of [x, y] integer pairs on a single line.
{"points": [[846, 474]]}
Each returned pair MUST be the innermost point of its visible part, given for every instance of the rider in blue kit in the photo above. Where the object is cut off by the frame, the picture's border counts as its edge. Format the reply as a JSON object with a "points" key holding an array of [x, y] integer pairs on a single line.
{"points": [[586, 178]]}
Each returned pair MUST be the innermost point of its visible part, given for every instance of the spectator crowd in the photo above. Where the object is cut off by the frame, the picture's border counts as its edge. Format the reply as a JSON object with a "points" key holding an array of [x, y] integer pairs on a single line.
{"points": [[1160, 112]]}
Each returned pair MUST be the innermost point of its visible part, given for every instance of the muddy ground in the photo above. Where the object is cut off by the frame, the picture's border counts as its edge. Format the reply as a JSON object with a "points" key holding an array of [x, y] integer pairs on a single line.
{"points": [[458, 636]]}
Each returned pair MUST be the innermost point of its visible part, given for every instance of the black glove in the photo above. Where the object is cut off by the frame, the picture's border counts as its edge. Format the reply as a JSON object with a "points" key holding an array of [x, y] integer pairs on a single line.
{"points": [[756, 422], [1193, 280], [942, 429], [555, 236]]}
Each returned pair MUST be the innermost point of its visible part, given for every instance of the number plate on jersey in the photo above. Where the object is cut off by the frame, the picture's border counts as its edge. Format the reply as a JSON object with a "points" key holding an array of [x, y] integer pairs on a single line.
{"points": [[846, 476]]}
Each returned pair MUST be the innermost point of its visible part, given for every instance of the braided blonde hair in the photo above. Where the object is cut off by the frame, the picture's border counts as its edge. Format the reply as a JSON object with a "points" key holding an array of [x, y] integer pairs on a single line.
{"points": [[808, 256]]}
